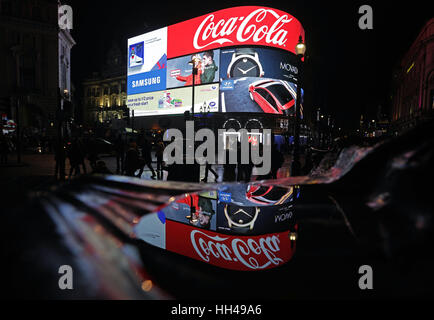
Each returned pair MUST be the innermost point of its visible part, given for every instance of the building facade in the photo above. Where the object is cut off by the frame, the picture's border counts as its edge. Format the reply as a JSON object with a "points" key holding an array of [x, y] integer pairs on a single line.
{"points": [[105, 92], [413, 83], [34, 62]]}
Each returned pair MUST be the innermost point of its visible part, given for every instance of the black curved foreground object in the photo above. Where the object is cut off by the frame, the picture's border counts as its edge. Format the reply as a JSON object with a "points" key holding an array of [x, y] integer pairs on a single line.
{"points": [[374, 207]]}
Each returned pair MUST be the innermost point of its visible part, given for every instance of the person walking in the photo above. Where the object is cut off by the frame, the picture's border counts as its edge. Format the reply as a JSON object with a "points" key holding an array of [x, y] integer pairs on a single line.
{"points": [[277, 160], [159, 152], [74, 154], [131, 160], [208, 168], [146, 157], [120, 154]]}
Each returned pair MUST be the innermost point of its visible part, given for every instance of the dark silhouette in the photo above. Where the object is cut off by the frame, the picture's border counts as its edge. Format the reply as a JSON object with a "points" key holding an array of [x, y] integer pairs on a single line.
{"points": [[276, 162], [75, 155], [146, 159], [101, 168], [229, 174], [120, 155], [4, 149], [131, 160], [159, 151]]}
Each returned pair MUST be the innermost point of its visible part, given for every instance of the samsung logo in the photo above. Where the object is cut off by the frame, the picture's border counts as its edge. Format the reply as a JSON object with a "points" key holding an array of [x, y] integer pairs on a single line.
{"points": [[145, 82]]}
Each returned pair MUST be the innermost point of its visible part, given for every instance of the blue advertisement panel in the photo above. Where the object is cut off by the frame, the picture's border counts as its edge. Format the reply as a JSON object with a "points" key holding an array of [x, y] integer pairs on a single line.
{"points": [[147, 82], [147, 62]]}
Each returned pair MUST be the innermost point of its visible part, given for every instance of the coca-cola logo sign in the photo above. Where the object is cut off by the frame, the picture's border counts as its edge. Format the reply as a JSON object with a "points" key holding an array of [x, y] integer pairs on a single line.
{"points": [[245, 28], [235, 26], [249, 253]]}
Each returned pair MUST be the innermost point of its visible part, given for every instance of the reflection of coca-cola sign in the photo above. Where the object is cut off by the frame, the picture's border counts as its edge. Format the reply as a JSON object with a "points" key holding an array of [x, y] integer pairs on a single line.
{"points": [[235, 26], [247, 253]]}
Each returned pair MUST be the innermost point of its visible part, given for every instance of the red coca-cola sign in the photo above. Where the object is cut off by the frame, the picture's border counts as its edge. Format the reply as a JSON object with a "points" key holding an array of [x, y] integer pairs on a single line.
{"points": [[244, 253], [236, 26]]}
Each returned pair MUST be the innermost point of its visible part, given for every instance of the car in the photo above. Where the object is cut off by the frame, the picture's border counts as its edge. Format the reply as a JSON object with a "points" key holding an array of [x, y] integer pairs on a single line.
{"points": [[273, 96], [268, 195]]}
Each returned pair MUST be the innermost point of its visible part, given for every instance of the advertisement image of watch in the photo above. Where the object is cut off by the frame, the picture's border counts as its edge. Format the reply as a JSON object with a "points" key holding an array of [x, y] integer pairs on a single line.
{"points": [[241, 219], [245, 63]]}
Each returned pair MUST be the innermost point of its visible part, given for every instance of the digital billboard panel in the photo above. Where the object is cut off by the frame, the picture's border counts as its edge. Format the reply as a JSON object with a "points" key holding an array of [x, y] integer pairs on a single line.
{"points": [[258, 62], [147, 62], [179, 71], [258, 95], [237, 26], [175, 101], [245, 52]]}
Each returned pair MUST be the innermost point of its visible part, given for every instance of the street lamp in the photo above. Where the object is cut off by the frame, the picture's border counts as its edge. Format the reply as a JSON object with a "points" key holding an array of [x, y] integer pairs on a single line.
{"points": [[193, 62], [300, 50]]}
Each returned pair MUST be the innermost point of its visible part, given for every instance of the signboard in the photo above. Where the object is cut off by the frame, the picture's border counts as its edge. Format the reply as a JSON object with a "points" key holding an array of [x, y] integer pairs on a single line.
{"points": [[238, 26], [174, 101], [243, 253], [147, 62], [247, 52]]}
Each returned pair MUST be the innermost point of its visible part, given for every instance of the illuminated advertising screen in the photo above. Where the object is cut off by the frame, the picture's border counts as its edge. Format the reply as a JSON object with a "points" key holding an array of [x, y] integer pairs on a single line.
{"points": [[244, 56], [174, 101], [147, 62], [179, 71]]}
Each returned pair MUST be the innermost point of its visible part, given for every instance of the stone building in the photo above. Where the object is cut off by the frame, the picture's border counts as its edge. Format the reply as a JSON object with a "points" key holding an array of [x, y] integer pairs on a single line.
{"points": [[34, 62], [105, 92], [413, 83]]}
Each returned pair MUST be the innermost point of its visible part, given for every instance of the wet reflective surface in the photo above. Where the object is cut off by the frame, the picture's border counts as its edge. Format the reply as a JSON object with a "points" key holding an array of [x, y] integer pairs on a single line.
{"points": [[370, 208]]}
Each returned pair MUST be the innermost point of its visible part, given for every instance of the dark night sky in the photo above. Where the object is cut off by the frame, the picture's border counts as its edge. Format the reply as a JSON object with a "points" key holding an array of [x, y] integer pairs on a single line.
{"points": [[350, 69]]}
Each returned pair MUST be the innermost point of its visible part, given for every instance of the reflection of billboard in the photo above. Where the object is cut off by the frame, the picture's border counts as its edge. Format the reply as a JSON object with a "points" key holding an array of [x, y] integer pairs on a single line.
{"points": [[234, 219], [197, 210], [260, 95], [258, 62], [179, 71], [244, 253], [147, 62], [175, 101]]}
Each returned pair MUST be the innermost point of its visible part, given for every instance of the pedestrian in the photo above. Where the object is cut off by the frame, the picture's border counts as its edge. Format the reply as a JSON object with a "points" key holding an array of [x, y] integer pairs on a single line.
{"points": [[131, 160], [74, 154], [120, 154], [229, 169], [81, 154], [159, 152], [92, 152], [244, 172], [146, 159], [277, 160], [208, 168]]}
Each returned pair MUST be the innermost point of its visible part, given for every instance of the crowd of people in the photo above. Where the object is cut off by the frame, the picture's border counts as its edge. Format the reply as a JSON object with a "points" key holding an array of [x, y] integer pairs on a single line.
{"points": [[136, 153]]}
